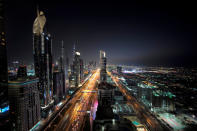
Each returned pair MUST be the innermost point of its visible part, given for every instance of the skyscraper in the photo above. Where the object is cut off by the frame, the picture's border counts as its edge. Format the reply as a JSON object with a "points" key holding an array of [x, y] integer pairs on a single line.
{"points": [[103, 61], [42, 51], [58, 86], [3, 69], [22, 71], [59, 77], [62, 64], [24, 103], [62, 67], [73, 51], [81, 70], [119, 69], [67, 68], [76, 69]]}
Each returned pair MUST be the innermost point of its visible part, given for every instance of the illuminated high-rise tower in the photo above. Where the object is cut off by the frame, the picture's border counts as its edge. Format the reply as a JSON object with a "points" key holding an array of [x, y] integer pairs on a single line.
{"points": [[62, 69], [103, 62], [3, 64], [62, 58], [73, 51], [42, 51], [59, 86], [67, 66], [24, 101], [81, 70], [76, 69]]}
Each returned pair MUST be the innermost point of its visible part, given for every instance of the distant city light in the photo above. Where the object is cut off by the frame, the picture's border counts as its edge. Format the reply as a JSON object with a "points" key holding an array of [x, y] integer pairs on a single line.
{"points": [[59, 104], [15, 62], [113, 121], [127, 71], [30, 72], [77, 53], [5, 109]]}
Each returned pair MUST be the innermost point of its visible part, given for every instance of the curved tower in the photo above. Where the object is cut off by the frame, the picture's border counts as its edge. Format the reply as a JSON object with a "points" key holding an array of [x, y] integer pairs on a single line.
{"points": [[39, 23], [42, 51]]}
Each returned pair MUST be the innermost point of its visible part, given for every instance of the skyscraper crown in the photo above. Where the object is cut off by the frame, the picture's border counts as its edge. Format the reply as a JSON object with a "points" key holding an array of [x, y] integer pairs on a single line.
{"points": [[39, 23]]}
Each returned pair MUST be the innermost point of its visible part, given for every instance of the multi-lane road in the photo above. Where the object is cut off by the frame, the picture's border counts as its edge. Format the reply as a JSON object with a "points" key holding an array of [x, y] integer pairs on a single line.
{"points": [[78, 107], [144, 115]]}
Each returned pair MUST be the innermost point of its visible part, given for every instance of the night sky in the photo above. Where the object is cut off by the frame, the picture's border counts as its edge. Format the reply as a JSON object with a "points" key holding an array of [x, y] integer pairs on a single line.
{"points": [[136, 33]]}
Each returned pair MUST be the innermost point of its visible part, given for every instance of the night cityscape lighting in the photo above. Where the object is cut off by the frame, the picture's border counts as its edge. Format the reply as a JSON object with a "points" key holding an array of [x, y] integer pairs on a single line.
{"points": [[98, 66]]}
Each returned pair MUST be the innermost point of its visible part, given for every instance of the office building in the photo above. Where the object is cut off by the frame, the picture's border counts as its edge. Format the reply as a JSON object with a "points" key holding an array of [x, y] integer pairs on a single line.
{"points": [[58, 86], [105, 118], [119, 69], [22, 71], [61, 61], [75, 73], [103, 61], [62, 70], [81, 70], [155, 98], [105, 94], [73, 52], [42, 51], [24, 103], [67, 67], [3, 60], [4, 106]]}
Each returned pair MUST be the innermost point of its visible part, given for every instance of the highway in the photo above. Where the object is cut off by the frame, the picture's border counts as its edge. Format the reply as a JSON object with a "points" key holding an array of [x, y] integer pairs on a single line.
{"points": [[144, 115], [73, 117]]}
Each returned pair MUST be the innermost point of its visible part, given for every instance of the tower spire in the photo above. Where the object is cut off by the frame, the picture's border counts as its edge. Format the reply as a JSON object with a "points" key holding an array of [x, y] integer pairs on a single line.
{"points": [[37, 10]]}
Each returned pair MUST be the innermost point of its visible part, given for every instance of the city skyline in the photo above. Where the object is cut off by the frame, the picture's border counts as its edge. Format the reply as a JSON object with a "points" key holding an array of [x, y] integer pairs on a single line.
{"points": [[150, 33], [77, 66]]}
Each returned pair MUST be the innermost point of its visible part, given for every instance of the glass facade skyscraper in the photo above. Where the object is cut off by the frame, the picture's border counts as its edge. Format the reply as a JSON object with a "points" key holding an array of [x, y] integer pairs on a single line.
{"points": [[42, 51], [3, 63], [76, 70], [24, 103], [103, 61], [62, 69]]}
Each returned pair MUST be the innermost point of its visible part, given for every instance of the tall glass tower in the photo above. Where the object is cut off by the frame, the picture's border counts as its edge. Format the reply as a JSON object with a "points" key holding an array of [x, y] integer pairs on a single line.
{"points": [[62, 68], [103, 63], [3, 63], [76, 70], [42, 51]]}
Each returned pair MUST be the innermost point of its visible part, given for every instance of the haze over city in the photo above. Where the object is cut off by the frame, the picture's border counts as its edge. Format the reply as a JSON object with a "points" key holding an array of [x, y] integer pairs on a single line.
{"points": [[135, 33]]}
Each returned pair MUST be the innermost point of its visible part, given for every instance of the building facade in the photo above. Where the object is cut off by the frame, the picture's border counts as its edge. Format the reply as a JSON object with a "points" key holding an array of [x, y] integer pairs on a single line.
{"points": [[62, 71], [3, 63], [119, 69], [24, 103], [22, 71], [75, 71], [103, 61], [81, 70], [58, 86], [105, 94], [42, 51]]}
